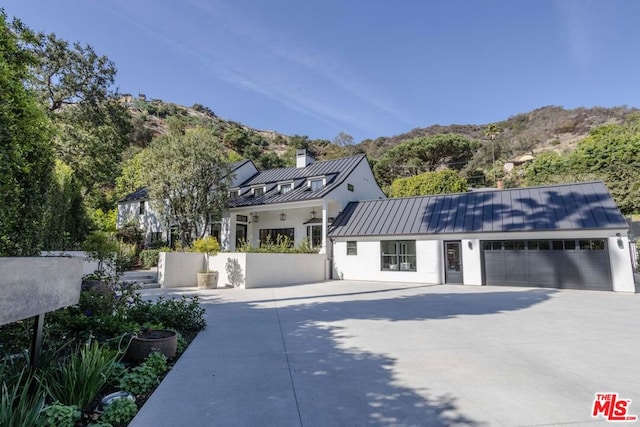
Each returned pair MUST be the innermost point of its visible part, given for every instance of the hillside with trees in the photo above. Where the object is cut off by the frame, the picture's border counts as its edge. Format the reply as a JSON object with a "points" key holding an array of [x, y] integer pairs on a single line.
{"points": [[77, 145]]}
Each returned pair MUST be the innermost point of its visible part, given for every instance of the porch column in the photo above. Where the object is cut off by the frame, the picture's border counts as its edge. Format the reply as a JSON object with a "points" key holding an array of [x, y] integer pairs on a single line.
{"points": [[325, 227]]}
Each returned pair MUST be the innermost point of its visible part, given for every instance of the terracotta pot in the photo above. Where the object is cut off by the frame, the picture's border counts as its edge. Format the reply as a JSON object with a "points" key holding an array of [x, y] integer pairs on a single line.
{"points": [[208, 280], [164, 341]]}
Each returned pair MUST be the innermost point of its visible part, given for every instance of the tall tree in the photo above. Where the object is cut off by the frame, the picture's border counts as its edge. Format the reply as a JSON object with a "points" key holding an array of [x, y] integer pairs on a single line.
{"points": [[188, 179], [26, 156], [424, 154]]}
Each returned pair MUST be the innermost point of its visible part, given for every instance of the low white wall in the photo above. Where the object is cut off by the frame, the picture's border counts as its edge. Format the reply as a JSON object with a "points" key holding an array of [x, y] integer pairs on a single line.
{"points": [[366, 264], [241, 270], [37, 285], [621, 266], [231, 268], [88, 266], [284, 269], [178, 269]]}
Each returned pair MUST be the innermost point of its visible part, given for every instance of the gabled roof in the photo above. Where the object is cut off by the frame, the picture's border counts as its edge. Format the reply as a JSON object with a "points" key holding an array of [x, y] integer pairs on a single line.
{"points": [[143, 194], [334, 171], [585, 205]]}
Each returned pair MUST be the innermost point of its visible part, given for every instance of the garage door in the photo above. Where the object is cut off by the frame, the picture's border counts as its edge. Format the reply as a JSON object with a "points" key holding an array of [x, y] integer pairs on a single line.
{"points": [[566, 264]]}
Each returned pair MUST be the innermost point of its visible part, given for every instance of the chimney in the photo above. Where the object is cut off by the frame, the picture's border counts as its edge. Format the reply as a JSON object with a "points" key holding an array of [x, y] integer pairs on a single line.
{"points": [[303, 159], [500, 184]]}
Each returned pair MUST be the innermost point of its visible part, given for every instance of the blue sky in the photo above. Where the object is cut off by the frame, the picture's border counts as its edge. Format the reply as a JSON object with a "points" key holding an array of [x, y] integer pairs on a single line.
{"points": [[365, 67]]}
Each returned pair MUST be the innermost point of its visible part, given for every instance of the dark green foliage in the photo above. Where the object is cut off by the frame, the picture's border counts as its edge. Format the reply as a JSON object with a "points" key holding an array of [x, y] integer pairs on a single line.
{"points": [[26, 155], [18, 406], [184, 314], [77, 379], [140, 380], [158, 362], [119, 413], [149, 257], [59, 415], [424, 154]]}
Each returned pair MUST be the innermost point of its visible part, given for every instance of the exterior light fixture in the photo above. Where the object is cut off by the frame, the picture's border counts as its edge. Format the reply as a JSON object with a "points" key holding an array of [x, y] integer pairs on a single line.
{"points": [[283, 216], [312, 214], [255, 218], [470, 244], [620, 243]]}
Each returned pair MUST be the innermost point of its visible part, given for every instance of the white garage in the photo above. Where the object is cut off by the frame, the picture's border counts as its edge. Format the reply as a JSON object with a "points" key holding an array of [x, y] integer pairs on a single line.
{"points": [[562, 236]]}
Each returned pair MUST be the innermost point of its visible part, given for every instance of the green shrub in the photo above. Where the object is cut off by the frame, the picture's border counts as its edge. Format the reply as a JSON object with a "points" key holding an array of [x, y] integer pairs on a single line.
{"points": [[59, 415], [78, 379], [120, 412], [207, 245], [140, 380], [18, 407], [158, 362], [184, 314], [149, 257]]}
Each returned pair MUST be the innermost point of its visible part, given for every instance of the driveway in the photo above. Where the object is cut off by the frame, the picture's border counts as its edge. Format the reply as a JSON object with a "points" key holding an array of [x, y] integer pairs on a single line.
{"points": [[346, 353]]}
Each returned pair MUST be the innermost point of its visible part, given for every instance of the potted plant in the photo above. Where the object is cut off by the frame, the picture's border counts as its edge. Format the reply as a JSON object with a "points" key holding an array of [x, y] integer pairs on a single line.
{"points": [[149, 340], [207, 279]]}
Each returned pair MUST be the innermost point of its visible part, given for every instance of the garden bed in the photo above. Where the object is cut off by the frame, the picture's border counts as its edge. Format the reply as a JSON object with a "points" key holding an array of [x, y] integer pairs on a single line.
{"points": [[84, 360]]}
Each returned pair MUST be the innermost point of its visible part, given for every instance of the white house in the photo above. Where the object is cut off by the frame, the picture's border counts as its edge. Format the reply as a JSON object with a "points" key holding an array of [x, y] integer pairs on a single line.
{"points": [[136, 206], [298, 202], [560, 236]]}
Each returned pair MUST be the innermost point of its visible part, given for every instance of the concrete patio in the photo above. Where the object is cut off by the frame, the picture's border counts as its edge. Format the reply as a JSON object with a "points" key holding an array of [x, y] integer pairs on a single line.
{"points": [[363, 353]]}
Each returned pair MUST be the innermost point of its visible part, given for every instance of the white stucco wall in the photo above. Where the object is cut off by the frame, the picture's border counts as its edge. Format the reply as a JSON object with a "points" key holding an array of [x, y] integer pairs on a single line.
{"points": [[621, 266], [471, 262], [364, 184], [149, 222], [178, 269], [366, 264]]}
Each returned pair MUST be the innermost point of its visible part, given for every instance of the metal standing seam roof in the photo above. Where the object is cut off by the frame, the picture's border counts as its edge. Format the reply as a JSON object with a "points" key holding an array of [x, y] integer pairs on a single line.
{"points": [[335, 172], [586, 205]]}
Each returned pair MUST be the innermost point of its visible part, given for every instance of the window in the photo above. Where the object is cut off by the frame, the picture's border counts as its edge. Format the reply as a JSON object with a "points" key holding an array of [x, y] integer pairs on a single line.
{"points": [[350, 187], [315, 184], [156, 236], [314, 234], [234, 193], [592, 245], [214, 230], [141, 207], [258, 191], [398, 255], [492, 245], [241, 218], [352, 248], [285, 188], [277, 236]]}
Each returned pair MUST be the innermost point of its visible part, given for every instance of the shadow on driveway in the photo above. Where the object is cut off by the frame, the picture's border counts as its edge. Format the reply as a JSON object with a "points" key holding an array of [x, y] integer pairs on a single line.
{"points": [[333, 385]]}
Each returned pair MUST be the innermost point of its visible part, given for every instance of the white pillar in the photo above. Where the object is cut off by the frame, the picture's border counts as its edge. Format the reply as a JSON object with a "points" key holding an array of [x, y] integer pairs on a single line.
{"points": [[620, 261], [471, 262], [325, 227]]}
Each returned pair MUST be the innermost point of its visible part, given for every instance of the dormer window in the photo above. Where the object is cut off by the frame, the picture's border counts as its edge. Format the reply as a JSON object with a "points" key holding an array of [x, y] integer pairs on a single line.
{"points": [[258, 191], [286, 187], [316, 184], [141, 208], [234, 193]]}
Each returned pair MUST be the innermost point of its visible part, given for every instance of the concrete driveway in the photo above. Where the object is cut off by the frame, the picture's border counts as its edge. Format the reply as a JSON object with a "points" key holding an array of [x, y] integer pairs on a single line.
{"points": [[377, 354]]}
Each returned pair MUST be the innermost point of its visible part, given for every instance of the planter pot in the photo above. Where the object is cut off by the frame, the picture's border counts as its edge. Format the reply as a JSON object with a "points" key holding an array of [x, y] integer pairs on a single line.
{"points": [[164, 341], [110, 398], [208, 280]]}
